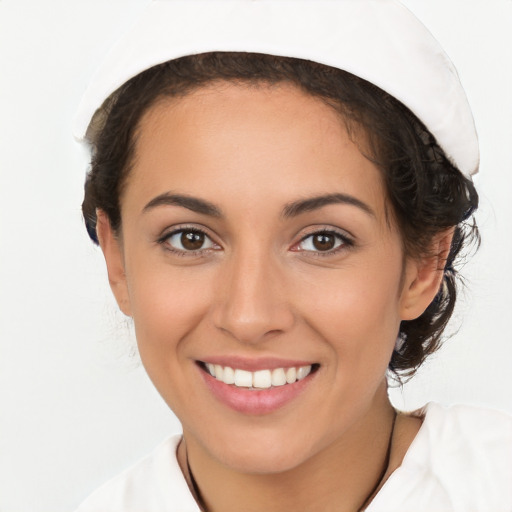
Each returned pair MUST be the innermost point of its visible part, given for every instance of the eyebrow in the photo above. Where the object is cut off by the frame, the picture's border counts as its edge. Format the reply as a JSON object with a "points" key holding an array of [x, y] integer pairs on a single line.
{"points": [[191, 203], [290, 210], [314, 203]]}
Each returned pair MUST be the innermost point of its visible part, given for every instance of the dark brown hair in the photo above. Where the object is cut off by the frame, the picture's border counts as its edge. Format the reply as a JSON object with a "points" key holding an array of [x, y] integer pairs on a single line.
{"points": [[427, 193]]}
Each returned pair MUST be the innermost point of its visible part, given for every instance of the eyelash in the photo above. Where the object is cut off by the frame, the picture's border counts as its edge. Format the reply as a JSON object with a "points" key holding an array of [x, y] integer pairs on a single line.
{"points": [[164, 241], [345, 242]]}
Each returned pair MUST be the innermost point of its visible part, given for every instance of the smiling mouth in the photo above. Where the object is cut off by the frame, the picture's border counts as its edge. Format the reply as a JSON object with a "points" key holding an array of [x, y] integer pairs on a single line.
{"points": [[260, 379]]}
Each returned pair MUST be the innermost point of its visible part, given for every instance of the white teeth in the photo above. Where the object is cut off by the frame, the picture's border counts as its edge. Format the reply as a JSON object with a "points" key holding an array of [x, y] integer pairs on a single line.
{"points": [[261, 379], [291, 375], [302, 372], [219, 372], [229, 375], [243, 379], [278, 377]]}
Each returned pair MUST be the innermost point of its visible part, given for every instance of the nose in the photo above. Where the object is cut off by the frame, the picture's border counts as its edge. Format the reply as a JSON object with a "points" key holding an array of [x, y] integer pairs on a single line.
{"points": [[252, 303]]}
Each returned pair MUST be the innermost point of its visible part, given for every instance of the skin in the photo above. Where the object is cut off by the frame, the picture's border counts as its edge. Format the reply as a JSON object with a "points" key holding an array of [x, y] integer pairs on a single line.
{"points": [[260, 288]]}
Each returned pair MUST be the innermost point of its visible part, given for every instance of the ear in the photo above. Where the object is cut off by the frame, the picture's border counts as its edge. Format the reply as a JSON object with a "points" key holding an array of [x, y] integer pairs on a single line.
{"points": [[424, 276], [111, 247]]}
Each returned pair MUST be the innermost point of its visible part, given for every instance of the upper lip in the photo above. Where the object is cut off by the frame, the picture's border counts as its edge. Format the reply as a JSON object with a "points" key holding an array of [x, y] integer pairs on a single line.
{"points": [[255, 364]]}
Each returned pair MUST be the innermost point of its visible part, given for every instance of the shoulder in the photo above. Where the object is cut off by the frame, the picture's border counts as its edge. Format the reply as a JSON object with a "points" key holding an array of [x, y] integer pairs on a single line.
{"points": [[471, 434], [460, 460], [469, 451], [465, 419], [154, 484]]}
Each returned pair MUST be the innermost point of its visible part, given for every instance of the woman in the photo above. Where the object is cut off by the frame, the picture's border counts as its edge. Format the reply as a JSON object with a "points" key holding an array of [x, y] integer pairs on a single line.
{"points": [[281, 191]]}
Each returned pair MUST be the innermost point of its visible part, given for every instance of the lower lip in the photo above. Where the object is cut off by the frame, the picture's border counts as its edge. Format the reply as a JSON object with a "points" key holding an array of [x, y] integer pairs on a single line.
{"points": [[255, 401]]}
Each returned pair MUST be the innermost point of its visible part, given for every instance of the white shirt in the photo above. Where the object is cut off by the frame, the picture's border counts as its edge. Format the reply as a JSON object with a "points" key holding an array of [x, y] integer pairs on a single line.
{"points": [[460, 461]]}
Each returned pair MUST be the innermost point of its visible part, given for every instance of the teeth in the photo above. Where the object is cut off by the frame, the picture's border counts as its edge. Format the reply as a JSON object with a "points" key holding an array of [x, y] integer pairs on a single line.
{"points": [[219, 372], [243, 379], [302, 372], [291, 375], [278, 377], [261, 379], [229, 375]]}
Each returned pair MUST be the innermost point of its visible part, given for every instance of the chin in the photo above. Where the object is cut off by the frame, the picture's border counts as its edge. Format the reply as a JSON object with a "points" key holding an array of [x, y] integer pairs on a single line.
{"points": [[258, 462], [266, 451]]}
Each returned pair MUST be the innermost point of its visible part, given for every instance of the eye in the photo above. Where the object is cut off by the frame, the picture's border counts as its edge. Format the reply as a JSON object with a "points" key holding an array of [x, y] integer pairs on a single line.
{"points": [[322, 241], [188, 240]]}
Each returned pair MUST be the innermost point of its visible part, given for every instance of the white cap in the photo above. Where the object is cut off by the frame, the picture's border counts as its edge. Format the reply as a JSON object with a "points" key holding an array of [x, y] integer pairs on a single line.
{"points": [[378, 40]]}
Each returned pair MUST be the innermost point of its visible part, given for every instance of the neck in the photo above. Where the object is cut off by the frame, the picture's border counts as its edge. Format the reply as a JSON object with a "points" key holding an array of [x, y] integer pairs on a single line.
{"points": [[343, 477]]}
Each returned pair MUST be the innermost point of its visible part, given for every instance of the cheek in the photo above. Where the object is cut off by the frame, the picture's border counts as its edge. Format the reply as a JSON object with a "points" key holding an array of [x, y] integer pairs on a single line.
{"points": [[167, 303], [168, 307], [356, 310]]}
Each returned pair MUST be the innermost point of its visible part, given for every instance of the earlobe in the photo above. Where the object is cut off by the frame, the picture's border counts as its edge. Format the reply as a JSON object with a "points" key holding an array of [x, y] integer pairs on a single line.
{"points": [[424, 276], [111, 247]]}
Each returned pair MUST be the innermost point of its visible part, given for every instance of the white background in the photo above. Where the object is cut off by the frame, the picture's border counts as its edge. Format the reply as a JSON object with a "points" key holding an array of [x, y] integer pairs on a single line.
{"points": [[75, 408]]}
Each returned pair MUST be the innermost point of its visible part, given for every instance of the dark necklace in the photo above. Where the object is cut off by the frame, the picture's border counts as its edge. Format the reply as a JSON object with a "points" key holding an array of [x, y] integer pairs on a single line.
{"points": [[370, 496], [195, 490], [193, 484]]}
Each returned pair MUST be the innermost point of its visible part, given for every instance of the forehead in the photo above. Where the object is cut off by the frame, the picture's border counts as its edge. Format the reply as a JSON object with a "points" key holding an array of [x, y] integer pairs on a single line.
{"points": [[228, 102], [251, 138]]}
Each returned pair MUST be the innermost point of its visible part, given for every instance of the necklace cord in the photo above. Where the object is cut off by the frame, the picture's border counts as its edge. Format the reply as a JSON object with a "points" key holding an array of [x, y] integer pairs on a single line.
{"points": [[372, 493], [197, 495]]}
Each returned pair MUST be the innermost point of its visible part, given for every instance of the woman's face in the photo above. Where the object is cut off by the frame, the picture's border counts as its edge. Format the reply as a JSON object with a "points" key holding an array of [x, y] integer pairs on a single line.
{"points": [[256, 236]]}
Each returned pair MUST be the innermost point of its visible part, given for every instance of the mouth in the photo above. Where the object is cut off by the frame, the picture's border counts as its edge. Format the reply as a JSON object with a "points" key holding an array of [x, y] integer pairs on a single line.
{"points": [[257, 389], [262, 379]]}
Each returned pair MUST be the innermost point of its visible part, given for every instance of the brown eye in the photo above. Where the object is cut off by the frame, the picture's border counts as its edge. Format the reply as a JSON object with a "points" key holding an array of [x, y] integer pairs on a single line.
{"points": [[189, 240], [192, 240], [324, 241]]}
